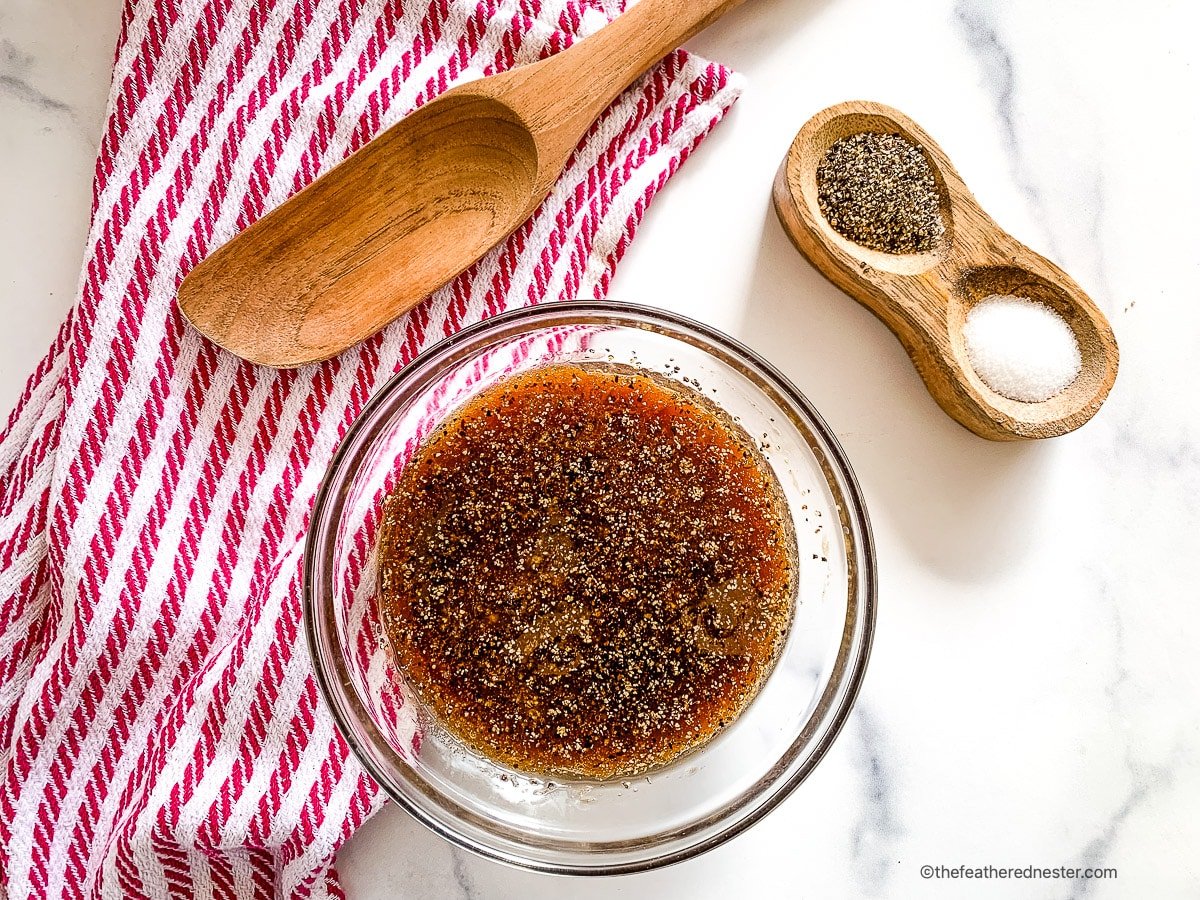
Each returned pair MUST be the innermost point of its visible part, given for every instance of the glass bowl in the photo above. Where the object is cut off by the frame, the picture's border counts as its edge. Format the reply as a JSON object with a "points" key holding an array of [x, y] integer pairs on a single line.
{"points": [[593, 827]]}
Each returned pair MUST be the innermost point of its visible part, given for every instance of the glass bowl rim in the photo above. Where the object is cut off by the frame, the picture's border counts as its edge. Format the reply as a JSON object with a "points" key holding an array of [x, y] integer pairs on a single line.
{"points": [[863, 578]]}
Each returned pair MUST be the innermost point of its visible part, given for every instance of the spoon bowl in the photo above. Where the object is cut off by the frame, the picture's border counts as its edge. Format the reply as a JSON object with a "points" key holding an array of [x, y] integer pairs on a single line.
{"points": [[924, 298], [331, 267]]}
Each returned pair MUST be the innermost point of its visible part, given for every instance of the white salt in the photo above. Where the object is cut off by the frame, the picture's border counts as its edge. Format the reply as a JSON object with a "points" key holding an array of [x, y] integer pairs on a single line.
{"points": [[1021, 348]]}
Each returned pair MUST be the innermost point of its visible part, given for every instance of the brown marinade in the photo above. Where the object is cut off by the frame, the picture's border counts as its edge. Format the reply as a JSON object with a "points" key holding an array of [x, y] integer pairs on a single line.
{"points": [[586, 571]]}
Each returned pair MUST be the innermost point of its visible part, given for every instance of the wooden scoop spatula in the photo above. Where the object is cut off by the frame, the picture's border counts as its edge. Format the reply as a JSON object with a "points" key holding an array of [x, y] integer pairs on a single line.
{"points": [[423, 201]]}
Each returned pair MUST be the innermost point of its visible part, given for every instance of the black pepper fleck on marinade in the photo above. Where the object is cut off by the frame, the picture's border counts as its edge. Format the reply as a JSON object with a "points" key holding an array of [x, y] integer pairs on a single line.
{"points": [[879, 191], [587, 571]]}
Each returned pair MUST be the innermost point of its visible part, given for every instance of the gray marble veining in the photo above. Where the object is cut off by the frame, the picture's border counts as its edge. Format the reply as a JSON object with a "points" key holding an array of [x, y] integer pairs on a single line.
{"points": [[14, 66], [879, 830], [463, 878], [980, 32], [977, 22]]}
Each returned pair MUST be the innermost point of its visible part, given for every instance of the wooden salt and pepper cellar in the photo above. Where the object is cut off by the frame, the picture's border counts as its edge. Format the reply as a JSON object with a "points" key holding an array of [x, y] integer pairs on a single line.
{"points": [[924, 297], [421, 202]]}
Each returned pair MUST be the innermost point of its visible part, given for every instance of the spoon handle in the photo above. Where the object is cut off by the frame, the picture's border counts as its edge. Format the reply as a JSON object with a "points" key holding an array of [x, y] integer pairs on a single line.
{"points": [[564, 94]]}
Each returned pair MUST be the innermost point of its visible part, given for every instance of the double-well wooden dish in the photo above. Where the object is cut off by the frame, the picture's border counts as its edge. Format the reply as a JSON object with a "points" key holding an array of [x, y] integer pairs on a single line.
{"points": [[924, 297]]}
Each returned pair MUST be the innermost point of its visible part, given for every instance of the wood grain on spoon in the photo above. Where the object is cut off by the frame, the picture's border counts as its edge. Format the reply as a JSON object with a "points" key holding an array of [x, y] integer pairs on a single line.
{"points": [[423, 201]]}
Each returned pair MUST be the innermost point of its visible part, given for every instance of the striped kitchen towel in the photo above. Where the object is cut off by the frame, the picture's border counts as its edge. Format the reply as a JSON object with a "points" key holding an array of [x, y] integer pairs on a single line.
{"points": [[160, 729]]}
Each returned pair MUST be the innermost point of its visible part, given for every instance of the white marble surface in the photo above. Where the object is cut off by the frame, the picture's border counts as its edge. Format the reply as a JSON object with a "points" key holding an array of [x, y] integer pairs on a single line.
{"points": [[1034, 695]]}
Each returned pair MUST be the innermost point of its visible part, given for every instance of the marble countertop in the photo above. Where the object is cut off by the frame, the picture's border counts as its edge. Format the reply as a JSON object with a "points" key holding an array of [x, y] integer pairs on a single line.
{"points": [[1034, 693]]}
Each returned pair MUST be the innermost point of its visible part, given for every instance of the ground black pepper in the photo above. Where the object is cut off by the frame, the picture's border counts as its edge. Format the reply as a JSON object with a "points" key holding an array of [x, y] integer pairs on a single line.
{"points": [[879, 190], [587, 571]]}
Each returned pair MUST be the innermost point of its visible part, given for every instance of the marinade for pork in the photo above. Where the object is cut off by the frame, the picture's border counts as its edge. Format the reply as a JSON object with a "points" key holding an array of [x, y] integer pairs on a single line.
{"points": [[586, 571]]}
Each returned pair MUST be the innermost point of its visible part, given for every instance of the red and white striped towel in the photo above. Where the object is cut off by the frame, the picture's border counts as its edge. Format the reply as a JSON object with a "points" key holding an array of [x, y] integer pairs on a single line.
{"points": [[160, 730]]}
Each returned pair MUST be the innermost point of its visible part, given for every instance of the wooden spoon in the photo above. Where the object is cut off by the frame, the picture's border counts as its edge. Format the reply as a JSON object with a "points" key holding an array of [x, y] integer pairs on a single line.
{"points": [[423, 201], [924, 297]]}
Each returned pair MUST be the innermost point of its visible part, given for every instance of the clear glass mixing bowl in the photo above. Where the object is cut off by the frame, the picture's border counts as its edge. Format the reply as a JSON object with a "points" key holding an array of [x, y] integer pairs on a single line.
{"points": [[583, 827]]}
